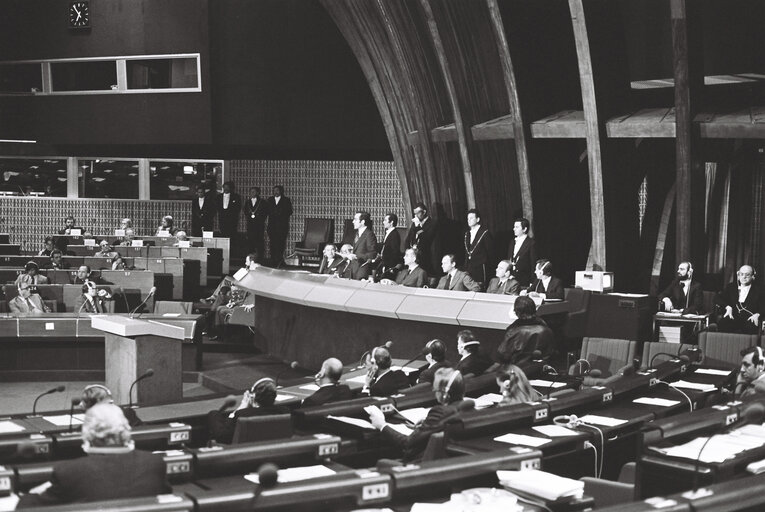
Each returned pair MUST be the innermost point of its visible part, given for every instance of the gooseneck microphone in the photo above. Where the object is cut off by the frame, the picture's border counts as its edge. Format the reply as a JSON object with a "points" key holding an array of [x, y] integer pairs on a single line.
{"points": [[148, 373], [152, 291], [293, 365], [552, 372], [57, 389], [75, 402]]}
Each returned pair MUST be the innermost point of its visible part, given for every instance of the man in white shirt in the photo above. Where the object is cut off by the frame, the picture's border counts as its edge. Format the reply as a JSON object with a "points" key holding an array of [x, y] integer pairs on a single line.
{"points": [[479, 249], [522, 252], [389, 250], [202, 212], [741, 304], [256, 212], [229, 206]]}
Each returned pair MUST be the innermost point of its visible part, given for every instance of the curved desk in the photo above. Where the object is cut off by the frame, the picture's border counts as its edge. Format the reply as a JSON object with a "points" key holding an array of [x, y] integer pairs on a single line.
{"points": [[309, 317]]}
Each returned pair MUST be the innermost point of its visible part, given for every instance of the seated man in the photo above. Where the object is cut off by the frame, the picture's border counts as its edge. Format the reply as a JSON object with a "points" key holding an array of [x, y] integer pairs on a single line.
{"points": [[92, 299], [106, 250], [57, 261], [250, 263], [751, 375], [683, 295], [26, 303], [127, 239], [456, 280], [48, 247], [381, 380], [166, 227], [545, 285], [83, 275], [125, 224], [68, 226], [328, 380], [742, 303], [472, 361], [111, 469], [504, 283], [449, 388], [330, 261], [257, 401], [118, 263], [524, 336], [413, 276], [435, 355], [348, 267], [31, 275]]}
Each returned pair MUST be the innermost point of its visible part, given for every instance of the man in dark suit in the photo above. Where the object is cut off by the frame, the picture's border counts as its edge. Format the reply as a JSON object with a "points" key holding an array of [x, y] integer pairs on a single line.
{"points": [[69, 226], [435, 355], [503, 282], [57, 261], [413, 275], [330, 261], [348, 268], [423, 234], [202, 212], [83, 275], [522, 252], [455, 280], [525, 336], [328, 380], [381, 380], [683, 295], [229, 204], [389, 250], [473, 360], [545, 285], [111, 469], [449, 388], [742, 303], [27, 303], [479, 249], [279, 213], [256, 212], [364, 245], [92, 299]]}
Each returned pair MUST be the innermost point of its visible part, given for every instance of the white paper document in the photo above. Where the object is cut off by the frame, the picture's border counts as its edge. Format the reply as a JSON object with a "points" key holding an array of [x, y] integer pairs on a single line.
{"points": [[361, 379], [605, 421], [7, 427], [282, 398], [693, 385], [555, 431], [401, 428], [62, 420], [661, 402], [295, 474], [712, 371], [487, 400], [415, 415], [522, 440], [310, 387], [353, 421], [539, 483], [546, 383], [406, 369]]}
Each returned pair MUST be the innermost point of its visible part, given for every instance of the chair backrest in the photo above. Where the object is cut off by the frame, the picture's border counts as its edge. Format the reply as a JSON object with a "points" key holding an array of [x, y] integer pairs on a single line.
{"points": [[723, 348], [651, 349], [171, 306], [436, 448], [608, 355], [262, 428], [317, 232]]}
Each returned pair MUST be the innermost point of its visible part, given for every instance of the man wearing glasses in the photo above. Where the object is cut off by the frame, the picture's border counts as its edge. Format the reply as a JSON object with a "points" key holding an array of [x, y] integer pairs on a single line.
{"points": [[26, 303], [740, 304]]}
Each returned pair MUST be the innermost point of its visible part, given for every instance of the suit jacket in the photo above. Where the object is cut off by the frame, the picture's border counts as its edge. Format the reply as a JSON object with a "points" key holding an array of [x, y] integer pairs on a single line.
{"points": [[221, 427], [202, 219], [348, 269], [19, 305], [279, 215], [425, 237], [83, 305], [754, 302], [475, 363], [438, 417], [428, 374], [329, 267], [693, 303], [460, 282], [389, 383], [326, 394], [365, 247], [390, 249], [522, 338], [417, 278], [228, 218], [479, 255], [26, 278], [554, 288], [509, 287], [525, 261], [103, 476], [256, 216]]}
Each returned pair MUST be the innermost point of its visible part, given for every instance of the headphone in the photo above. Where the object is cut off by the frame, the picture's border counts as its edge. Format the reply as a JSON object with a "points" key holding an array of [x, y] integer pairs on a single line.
{"points": [[87, 286], [544, 266], [97, 386], [757, 357], [264, 379], [453, 376]]}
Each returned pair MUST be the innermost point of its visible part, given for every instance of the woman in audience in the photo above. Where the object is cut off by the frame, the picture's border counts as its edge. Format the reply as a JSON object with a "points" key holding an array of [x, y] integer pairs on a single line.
{"points": [[257, 401], [514, 386], [166, 227]]}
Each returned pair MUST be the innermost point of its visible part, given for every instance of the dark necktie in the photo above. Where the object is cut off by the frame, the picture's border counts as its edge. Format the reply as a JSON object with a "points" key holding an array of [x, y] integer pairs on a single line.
{"points": [[29, 303], [448, 281]]}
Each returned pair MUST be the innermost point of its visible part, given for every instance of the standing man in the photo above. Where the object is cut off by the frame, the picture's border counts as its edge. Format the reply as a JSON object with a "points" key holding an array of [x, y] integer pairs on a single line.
{"points": [[479, 249], [389, 249], [256, 211], [202, 212], [229, 206], [683, 295], [742, 304], [279, 213], [522, 252], [364, 245], [423, 235]]}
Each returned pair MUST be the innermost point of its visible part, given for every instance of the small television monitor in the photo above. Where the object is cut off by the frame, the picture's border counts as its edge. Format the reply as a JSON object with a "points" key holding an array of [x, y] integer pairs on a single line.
{"points": [[595, 280]]}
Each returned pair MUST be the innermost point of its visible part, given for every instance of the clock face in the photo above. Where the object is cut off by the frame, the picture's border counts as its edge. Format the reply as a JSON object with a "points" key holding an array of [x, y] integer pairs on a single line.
{"points": [[79, 15]]}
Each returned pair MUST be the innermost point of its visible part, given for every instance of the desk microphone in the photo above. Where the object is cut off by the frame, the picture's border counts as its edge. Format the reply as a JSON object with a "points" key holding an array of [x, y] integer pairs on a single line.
{"points": [[293, 365], [148, 373], [682, 358], [582, 371], [549, 370], [268, 474], [152, 291], [124, 298], [752, 414], [57, 389], [81, 306]]}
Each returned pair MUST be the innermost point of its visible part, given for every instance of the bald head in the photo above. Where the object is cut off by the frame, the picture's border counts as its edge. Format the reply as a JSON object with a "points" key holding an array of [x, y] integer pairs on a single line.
{"points": [[745, 275], [331, 370]]}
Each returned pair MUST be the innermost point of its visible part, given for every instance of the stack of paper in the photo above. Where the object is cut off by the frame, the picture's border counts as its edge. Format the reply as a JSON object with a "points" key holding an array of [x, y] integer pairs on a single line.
{"points": [[693, 385], [487, 400], [353, 421], [721, 447], [416, 415], [522, 440], [544, 485]]}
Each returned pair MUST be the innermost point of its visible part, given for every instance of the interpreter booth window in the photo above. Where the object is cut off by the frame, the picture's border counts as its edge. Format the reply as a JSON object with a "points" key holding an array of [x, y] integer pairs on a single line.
{"points": [[113, 179], [162, 73], [178, 179], [20, 78], [33, 177], [83, 76]]}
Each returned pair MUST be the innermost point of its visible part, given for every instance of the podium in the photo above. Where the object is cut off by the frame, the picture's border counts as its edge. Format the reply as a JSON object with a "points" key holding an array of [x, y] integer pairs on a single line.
{"points": [[132, 346]]}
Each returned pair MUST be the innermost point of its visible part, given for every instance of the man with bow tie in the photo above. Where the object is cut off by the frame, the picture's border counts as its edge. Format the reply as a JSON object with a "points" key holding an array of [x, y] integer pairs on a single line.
{"points": [[741, 304], [683, 295]]}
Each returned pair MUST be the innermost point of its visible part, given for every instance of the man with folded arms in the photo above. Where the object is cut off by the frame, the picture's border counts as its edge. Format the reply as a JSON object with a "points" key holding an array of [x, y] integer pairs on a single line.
{"points": [[328, 380]]}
